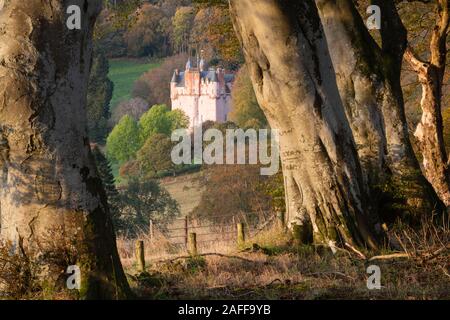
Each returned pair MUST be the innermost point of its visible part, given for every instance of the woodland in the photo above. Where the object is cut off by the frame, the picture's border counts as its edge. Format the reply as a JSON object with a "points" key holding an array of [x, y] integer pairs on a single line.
{"points": [[364, 121]]}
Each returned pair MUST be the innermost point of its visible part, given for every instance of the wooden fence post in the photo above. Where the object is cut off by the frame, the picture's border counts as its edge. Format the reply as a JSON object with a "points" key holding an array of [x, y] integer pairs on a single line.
{"points": [[139, 255], [192, 248], [151, 230], [240, 234], [186, 232]]}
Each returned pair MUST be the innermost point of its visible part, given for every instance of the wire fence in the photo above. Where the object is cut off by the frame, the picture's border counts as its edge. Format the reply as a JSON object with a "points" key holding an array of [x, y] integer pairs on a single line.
{"points": [[220, 228], [197, 235]]}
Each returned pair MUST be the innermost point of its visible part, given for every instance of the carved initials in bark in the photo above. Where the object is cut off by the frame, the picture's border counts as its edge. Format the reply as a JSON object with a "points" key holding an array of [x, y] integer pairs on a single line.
{"points": [[49, 179], [281, 39]]}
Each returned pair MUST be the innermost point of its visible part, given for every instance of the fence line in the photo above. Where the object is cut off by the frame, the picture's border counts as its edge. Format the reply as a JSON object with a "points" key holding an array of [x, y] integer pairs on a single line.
{"points": [[237, 231], [221, 232]]}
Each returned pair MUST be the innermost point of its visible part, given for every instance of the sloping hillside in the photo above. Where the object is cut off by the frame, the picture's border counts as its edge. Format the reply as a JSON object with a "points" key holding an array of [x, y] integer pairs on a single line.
{"points": [[185, 190], [123, 73]]}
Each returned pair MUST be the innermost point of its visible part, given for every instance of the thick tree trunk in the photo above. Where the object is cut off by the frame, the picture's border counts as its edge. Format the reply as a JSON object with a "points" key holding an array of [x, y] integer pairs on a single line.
{"points": [[49, 182], [295, 84], [429, 132], [360, 82], [368, 78], [295, 211]]}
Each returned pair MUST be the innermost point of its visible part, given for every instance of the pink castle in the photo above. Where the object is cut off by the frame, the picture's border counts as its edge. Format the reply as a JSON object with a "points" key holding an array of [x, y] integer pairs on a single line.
{"points": [[202, 95]]}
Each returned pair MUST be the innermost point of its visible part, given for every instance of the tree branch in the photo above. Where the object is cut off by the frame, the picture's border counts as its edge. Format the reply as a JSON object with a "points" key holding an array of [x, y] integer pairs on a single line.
{"points": [[393, 32], [390, 256], [417, 64], [204, 255], [438, 44]]}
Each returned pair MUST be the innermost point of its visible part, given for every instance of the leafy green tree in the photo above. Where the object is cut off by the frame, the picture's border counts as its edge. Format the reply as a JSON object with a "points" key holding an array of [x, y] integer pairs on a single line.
{"points": [[147, 36], [143, 200], [123, 141], [213, 28], [182, 23], [100, 90], [154, 156], [246, 112], [178, 119], [128, 136], [155, 120]]}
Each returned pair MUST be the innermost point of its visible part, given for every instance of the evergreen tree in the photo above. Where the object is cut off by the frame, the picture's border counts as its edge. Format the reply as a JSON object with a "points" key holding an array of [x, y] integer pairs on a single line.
{"points": [[246, 112], [100, 90], [105, 173]]}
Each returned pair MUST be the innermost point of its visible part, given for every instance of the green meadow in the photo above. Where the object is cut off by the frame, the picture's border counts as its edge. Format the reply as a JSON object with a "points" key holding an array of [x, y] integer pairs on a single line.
{"points": [[123, 73]]}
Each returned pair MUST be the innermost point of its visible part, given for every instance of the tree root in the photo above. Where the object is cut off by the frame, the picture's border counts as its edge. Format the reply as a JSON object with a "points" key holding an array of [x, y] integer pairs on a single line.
{"points": [[421, 256], [204, 255], [390, 256]]}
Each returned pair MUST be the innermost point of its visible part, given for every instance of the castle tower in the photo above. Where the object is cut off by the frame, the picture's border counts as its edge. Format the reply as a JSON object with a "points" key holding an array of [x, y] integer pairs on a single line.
{"points": [[202, 94]]}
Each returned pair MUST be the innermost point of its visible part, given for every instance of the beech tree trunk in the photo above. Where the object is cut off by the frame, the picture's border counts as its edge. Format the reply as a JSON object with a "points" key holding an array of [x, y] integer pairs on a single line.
{"points": [[360, 82], [294, 81], [429, 131], [49, 181], [368, 78]]}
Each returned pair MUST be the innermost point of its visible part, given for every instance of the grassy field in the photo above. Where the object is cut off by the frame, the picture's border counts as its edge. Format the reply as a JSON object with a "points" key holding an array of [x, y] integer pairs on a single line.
{"points": [[185, 189], [272, 266], [124, 72]]}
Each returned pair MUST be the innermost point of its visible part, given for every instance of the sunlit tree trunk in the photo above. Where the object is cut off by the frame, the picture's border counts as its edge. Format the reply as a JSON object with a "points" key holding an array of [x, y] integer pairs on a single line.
{"points": [[429, 132], [295, 84], [354, 54], [49, 182], [368, 78]]}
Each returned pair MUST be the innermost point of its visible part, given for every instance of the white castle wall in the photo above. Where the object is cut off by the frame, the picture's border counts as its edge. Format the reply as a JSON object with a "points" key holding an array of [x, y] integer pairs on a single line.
{"points": [[188, 104], [202, 101]]}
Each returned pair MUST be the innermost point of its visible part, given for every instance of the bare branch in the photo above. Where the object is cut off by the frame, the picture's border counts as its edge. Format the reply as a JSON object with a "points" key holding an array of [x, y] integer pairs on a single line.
{"points": [[438, 44]]}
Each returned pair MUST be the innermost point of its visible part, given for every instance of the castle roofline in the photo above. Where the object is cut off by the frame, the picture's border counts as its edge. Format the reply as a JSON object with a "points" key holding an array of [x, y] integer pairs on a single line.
{"points": [[174, 77], [211, 75]]}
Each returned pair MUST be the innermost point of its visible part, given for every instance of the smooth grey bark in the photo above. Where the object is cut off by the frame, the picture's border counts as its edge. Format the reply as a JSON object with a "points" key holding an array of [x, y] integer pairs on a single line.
{"points": [[354, 53], [294, 81], [48, 176], [369, 84]]}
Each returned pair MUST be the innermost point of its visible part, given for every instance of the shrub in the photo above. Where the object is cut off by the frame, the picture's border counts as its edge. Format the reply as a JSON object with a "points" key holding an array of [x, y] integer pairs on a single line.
{"points": [[134, 108], [154, 85]]}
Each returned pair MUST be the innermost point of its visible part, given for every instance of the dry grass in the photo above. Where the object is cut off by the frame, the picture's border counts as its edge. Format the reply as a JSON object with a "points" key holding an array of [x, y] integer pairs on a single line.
{"points": [[185, 189], [161, 248], [25, 276], [269, 266], [273, 268]]}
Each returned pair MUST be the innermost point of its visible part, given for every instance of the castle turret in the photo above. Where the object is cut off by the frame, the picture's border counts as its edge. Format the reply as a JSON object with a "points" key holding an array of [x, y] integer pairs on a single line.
{"points": [[203, 65], [202, 93], [175, 76], [214, 77], [173, 84]]}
